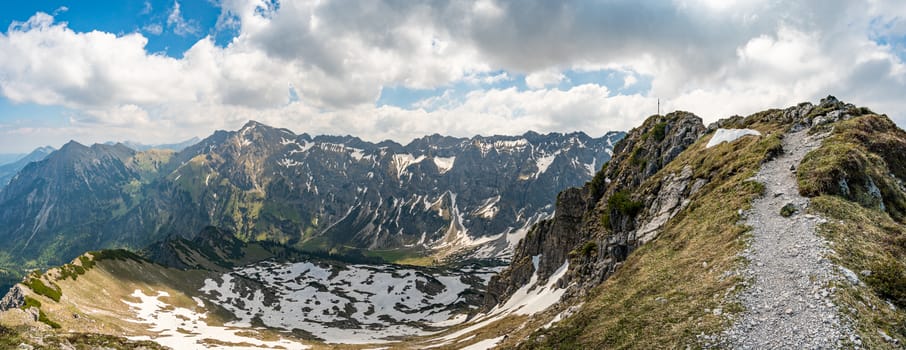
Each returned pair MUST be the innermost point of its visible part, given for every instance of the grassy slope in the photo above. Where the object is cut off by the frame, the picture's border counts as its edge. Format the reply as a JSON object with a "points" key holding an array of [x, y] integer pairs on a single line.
{"points": [[864, 235], [101, 286], [91, 308], [663, 294], [11, 338]]}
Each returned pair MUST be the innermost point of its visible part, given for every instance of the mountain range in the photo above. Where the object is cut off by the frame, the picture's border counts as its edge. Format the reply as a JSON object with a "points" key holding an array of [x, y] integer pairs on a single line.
{"points": [[435, 197], [138, 146]]}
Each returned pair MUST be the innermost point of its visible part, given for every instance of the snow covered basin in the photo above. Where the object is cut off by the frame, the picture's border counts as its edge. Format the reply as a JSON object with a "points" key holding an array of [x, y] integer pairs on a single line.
{"points": [[348, 304]]}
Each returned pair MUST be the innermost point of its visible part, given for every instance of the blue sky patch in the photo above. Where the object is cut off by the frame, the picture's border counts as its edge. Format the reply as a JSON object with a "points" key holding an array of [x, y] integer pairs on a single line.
{"points": [[150, 18]]}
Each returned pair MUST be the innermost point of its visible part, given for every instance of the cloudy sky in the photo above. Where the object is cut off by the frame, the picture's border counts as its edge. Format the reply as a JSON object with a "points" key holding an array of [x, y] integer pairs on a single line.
{"points": [[164, 71]]}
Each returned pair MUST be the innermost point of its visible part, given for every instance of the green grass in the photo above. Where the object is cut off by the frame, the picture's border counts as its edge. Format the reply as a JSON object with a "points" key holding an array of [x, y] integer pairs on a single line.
{"points": [[622, 202], [30, 303], [588, 249], [37, 286], [116, 254], [788, 210], [10, 338], [855, 163], [402, 256], [42, 317], [659, 131]]}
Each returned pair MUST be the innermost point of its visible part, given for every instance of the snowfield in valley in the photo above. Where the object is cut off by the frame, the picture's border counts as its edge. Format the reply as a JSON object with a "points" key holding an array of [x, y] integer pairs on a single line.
{"points": [[351, 304]]}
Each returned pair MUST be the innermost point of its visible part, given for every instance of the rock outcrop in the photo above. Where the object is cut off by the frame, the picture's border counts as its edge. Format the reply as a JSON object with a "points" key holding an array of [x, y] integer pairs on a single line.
{"points": [[13, 299], [598, 225]]}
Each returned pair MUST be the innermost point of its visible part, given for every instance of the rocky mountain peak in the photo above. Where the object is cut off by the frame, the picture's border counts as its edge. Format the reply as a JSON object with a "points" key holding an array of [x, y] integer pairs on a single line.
{"points": [[648, 148], [642, 153], [252, 124], [73, 146]]}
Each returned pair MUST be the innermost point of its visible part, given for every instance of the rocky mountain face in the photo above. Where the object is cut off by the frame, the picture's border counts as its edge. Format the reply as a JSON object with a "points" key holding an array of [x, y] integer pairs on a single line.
{"points": [[605, 219], [54, 207], [435, 196], [9, 170]]}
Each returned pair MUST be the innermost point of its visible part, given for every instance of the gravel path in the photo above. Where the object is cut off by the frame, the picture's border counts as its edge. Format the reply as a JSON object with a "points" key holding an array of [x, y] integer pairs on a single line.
{"points": [[789, 306]]}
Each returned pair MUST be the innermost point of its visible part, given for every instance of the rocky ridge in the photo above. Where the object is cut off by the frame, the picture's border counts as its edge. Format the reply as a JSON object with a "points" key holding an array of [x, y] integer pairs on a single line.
{"points": [[598, 226]]}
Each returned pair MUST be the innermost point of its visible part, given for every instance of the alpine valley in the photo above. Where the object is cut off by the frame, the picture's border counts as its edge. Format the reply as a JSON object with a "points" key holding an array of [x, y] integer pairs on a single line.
{"points": [[781, 229]]}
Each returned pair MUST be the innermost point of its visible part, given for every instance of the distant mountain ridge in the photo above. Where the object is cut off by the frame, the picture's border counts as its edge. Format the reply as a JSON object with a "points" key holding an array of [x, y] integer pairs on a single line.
{"points": [[9, 170], [7, 158], [434, 196], [179, 146]]}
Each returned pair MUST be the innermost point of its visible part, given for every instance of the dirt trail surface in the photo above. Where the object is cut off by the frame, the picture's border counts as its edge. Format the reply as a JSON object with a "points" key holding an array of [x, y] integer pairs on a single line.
{"points": [[788, 305]]}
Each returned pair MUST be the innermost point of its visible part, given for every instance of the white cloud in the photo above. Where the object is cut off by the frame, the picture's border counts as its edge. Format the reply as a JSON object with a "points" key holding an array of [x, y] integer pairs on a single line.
{"points": [[544, 78], [629, 80], [714, 58], [146, 8], [153, 29], [180, 25]]}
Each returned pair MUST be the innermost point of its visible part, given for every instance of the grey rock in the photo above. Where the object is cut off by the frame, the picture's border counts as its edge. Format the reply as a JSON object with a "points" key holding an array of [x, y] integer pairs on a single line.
{"points": [[888, 338], [850, 275], [34, 313], [13, 299]]}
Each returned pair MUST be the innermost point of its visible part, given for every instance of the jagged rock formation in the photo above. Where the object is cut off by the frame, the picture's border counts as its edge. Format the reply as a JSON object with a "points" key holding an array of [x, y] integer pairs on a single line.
{"points": [[603, 221], [14, 298]]}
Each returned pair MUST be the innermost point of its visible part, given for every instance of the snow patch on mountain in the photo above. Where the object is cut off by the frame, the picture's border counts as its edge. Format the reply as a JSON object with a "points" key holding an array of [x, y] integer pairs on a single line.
{"points": [[488, 209], [530, 299], [444, 164], [544, 162], [729, 135], [533, 298], [403, 161]]}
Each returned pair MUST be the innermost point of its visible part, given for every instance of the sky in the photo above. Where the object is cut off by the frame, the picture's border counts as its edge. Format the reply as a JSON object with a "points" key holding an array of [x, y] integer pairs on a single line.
{"points": [[165, 71]]}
